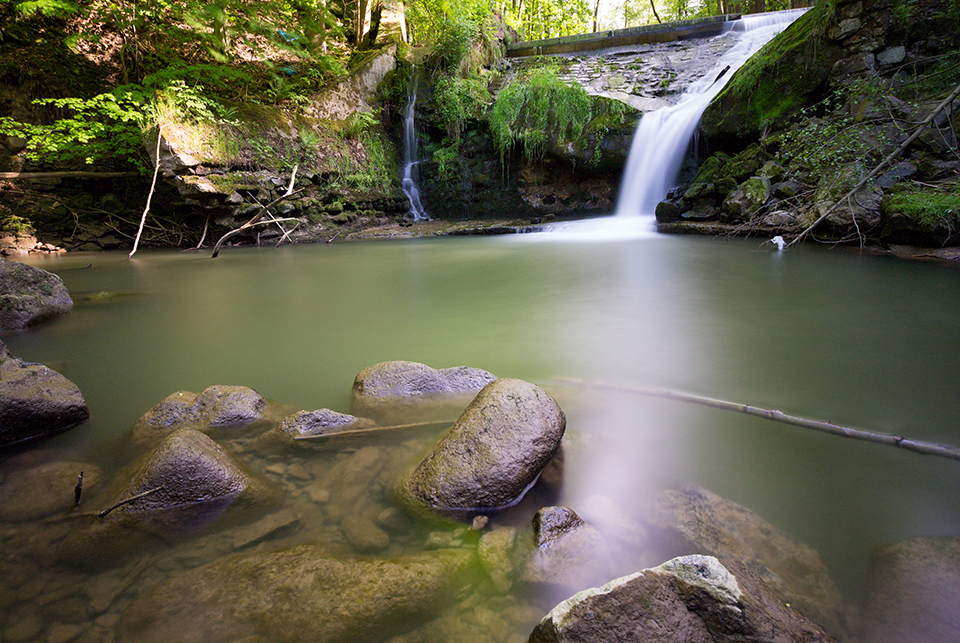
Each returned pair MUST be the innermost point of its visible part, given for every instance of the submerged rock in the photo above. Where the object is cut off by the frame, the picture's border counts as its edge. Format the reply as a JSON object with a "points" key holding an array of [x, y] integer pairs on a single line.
{"points": [[297, 594], [35, 401], [696, 520], [214, 407], [321, 422], [914, 592], [695, 598], [387, 386], [493, 454], [29, 295], [190, 481], [37, 492]]}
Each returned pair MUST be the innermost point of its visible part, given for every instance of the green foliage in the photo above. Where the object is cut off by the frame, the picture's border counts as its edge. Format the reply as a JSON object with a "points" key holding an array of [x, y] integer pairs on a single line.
{"points": [[357, 123], [537, 19], [448, 162], [457, 100], [536, 109], [106, 126], [46, 7], [926, 206]]}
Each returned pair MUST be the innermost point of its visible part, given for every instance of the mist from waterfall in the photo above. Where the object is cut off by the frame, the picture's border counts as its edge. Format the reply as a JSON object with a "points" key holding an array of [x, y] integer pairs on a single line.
{"points": [[663, 136], [411, 159]]}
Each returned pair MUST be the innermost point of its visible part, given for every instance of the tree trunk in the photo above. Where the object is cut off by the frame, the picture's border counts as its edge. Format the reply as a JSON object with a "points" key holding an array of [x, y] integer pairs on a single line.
{"points": [[655, 15]]}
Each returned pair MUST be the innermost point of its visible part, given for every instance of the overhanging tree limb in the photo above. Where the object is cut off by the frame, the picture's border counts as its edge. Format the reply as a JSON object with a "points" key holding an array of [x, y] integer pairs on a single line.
{"points": [[926, 448], [897, 152]]}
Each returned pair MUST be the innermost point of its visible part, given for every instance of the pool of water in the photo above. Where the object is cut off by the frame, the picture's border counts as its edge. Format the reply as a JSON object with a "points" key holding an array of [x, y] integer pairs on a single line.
{"points": [[858, 340]]}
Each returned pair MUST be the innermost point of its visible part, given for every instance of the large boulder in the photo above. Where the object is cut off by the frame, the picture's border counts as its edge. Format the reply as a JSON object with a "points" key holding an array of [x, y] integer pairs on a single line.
{"points": [[216, 406], [29, 295], [492, 455], [297, 594], [696, 599], [914, 592], [399, 385], [35, 401], [695, 520]]}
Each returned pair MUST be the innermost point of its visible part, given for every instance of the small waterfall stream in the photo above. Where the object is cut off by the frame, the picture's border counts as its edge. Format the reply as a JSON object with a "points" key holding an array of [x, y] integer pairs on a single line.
{"points": [[410, 156], [663, 136]]}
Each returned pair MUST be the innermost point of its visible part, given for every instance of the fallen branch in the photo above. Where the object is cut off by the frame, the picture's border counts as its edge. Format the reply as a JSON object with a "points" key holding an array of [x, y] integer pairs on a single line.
{"points": [[897, 152], [375, 429], [926, 448], [153, 186], [129, 500], [286, 195]]}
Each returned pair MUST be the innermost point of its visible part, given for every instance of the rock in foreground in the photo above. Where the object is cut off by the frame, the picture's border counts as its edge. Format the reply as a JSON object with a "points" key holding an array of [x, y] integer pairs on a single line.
{"points": [[29, 295], [492, 455], [35, 401], [695, 599], [297, 594]]}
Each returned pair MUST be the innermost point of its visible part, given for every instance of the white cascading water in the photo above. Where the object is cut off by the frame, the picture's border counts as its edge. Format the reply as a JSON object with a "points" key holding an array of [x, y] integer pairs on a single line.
{"points": [[410, 157], [662, 136]]}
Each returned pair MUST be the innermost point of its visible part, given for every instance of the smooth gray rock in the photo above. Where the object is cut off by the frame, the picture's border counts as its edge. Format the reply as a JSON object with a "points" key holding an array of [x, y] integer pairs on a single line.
{"points": [[493, 453], [567, 552], [914, 592], [297, 594], [695, 599], [35, 401], [29, 295]]}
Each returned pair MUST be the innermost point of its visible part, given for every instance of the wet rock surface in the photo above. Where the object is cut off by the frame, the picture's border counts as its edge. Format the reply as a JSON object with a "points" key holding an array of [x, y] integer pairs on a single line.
{"points": [[492, 455], [302, 593], [215, 407], [383, 388], [695, 520], [29, 296], [35, 401], [693, 598]]}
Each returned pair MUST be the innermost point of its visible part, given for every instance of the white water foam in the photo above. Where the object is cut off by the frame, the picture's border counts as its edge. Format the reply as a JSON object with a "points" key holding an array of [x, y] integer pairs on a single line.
{"points": [[663, 136], [410, 156]]}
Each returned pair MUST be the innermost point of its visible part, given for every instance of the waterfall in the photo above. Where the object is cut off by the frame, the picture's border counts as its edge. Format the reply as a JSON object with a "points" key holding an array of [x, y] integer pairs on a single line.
{"points": [[663, 135], [410, 157]]}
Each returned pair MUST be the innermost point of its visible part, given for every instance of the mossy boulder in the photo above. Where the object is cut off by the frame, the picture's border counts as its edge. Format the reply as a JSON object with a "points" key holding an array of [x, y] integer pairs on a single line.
{"points": [[29, 296], [493, 454], [787, 74]]}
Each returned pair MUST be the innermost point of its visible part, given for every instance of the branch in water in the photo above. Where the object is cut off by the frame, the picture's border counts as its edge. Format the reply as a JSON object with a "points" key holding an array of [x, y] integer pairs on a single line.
{"points": [[926, 448]]}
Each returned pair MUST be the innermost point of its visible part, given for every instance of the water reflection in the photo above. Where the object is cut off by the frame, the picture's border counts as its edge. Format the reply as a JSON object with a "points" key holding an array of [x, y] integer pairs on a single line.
{"points": [[857, 340]]}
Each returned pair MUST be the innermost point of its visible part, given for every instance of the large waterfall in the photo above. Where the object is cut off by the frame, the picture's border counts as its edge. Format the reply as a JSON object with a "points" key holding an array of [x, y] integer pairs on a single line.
{"points": [[410, 157], [663, 135]]}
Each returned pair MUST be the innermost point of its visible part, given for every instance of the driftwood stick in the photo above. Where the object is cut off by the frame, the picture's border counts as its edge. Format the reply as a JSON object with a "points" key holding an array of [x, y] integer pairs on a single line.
{"points": [[897, 152], [286, 195], [129, 500], [926, 448], [376, 429]]}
